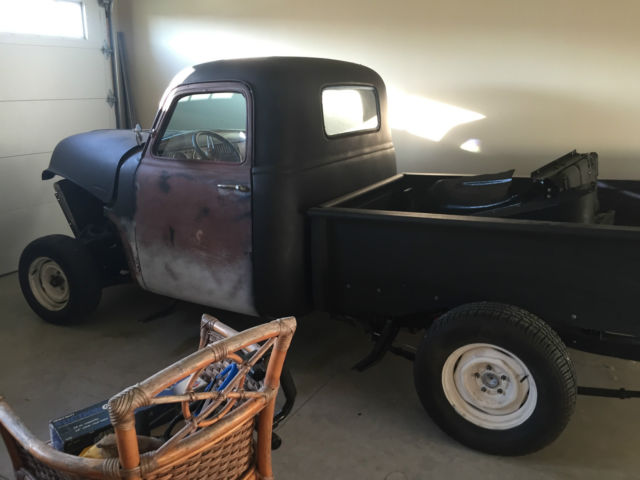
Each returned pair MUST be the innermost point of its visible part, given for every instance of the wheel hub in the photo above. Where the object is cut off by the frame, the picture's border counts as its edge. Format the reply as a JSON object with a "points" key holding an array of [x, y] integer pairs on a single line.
{"points": [[489, 386], [49, 283], [56, 280], [490, 380]]}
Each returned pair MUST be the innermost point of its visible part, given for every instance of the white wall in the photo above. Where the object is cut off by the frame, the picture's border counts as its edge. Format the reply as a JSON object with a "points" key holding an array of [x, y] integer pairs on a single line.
{"points": [[549, 75]]}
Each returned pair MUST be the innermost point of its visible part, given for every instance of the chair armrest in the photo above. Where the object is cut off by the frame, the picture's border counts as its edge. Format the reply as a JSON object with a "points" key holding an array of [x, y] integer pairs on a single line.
{"points": [[22, 436], [211, 325]]}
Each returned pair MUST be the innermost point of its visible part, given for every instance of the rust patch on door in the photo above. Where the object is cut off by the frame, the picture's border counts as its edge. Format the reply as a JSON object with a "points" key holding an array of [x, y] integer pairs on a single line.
{"points": [[163, 182], [194, 239]]}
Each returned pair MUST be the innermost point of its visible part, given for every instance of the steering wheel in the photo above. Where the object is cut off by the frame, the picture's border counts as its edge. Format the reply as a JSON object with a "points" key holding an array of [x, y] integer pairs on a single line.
{"points": [[211, 136]]}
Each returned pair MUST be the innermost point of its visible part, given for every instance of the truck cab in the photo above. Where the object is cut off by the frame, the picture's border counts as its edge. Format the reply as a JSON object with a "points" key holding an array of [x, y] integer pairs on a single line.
{"points": [[211, 206]]}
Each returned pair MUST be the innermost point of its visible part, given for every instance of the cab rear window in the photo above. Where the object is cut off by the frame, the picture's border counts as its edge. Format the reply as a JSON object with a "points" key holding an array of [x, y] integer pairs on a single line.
{"points": [[350, 109]]}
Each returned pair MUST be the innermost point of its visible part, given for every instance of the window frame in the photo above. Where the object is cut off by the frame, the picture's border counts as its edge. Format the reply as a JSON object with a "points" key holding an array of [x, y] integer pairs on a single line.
{"points": [[167, 110], [57, 38], [353, 132]]}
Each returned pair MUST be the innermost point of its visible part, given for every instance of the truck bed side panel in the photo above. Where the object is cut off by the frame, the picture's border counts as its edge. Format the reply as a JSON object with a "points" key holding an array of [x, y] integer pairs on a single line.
{"points": [[397, 263]]}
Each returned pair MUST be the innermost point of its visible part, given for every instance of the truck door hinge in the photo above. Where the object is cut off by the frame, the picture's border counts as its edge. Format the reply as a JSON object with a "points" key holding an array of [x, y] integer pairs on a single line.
{"points": [[106, 50], [111, 98]]}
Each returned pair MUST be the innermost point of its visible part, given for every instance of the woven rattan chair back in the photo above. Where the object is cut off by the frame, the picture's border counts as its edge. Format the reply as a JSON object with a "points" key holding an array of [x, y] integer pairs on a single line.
{"points": [[215, 441]]}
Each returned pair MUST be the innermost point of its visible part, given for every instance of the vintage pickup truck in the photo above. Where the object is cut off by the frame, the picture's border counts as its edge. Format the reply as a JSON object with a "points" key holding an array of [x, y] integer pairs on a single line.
{"points": [[269, 187]]}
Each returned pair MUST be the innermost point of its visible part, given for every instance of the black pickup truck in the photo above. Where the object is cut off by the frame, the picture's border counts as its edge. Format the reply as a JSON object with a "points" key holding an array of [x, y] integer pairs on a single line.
{"points": [[269, 187]]}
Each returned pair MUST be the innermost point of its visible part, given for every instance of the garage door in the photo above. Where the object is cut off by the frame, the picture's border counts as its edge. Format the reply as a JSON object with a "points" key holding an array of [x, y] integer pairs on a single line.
{"points": [[51, 86]]}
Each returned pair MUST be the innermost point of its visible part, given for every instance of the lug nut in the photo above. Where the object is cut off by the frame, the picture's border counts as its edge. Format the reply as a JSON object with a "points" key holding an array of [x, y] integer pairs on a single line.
{"points": [[489, 367], [503, 378], [499, 390], [477, 375], [483, 389]]}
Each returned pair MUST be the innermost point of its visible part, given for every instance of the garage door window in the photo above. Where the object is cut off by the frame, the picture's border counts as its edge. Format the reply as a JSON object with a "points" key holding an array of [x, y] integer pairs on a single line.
{"points": [[55, 18], [350, 109]]}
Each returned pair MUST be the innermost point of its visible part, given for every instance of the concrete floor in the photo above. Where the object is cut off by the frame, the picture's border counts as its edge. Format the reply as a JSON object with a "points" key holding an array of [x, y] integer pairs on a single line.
{"points": [[345, 425]]}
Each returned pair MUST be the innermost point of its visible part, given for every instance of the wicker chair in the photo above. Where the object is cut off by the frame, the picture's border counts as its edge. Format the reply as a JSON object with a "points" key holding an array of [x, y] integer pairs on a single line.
{"points": [[215, 442]]}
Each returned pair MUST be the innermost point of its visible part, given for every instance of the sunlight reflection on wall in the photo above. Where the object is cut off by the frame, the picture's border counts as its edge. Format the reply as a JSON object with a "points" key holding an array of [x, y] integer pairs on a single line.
{"points": [[198, 46], [424, 117], [472, 145]]}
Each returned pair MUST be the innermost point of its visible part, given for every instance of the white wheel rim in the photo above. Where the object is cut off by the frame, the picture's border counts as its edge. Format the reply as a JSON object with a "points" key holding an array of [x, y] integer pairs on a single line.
{"points": [[489, 386], [48, 284]]}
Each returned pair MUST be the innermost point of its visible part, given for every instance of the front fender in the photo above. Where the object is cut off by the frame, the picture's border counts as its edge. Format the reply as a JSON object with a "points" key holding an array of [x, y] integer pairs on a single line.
{"points": [[91, 160]]}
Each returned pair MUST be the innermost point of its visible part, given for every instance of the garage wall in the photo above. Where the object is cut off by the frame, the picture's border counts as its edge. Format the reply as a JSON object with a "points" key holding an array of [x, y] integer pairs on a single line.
{"points": [[50, 88], [549, 76]]}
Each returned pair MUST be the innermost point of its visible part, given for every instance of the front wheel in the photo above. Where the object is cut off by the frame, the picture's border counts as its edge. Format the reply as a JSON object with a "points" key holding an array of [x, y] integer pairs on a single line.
{"points": [[59, 279], [496, 378]]}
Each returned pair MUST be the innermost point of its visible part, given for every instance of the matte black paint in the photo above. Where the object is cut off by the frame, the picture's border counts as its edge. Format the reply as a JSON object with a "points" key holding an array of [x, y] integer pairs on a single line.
{"points": [[91, 160], [393, 262]]}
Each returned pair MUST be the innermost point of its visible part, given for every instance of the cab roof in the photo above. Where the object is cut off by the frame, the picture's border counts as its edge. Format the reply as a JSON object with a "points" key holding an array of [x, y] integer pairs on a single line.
{"points": [[283, 73], [287, 107]]}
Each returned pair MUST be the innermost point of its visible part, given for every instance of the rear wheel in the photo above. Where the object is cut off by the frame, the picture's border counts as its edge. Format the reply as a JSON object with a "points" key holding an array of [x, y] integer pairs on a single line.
{"points": [[59, 279], [496, 378]]}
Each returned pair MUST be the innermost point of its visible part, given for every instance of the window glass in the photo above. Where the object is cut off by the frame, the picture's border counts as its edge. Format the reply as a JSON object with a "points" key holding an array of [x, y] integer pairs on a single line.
{"points": [[206, 126], [349, 109], [57, 18]]}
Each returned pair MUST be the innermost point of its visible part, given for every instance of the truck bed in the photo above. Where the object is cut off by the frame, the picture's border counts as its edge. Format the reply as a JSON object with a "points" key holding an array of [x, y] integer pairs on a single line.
{"points": [[386, 249]]}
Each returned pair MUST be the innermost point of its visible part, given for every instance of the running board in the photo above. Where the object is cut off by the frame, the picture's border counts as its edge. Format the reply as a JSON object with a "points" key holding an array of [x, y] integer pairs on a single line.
{"points": [[620, 393]]}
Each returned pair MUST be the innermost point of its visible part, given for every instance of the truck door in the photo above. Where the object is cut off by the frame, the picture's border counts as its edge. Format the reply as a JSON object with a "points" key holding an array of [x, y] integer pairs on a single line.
{"points": [[193, 199]]}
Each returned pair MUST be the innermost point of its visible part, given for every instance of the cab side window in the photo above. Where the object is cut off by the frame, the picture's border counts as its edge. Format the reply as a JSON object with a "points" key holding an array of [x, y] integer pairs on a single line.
{"points": [[206, 127], [350, 109]]}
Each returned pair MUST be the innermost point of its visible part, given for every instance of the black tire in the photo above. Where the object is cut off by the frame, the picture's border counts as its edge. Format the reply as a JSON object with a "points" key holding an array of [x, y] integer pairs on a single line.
{"points": [[547, 404], [77, 291]]}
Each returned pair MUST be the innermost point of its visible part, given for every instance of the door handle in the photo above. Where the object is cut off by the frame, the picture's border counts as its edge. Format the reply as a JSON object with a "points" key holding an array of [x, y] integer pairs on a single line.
{"points": [[238, 188]]}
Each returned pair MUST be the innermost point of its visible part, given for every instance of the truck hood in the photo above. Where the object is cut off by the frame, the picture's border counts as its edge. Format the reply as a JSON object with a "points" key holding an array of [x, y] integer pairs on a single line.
{"points": [[91, 160]]}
